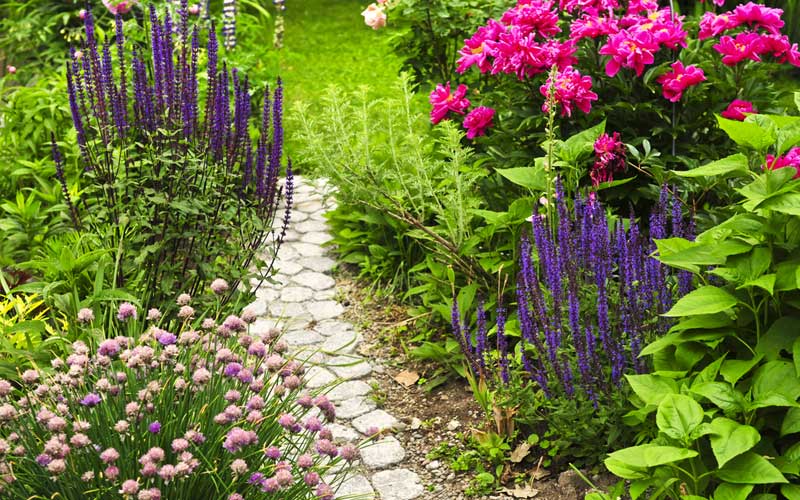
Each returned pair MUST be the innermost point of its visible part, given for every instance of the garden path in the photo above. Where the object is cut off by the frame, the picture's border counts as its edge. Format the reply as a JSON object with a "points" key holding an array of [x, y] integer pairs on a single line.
{"points": [[303, 303]]}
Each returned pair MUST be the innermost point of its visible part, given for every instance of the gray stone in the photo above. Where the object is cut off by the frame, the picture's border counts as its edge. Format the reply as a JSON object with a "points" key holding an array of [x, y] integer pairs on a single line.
{"points": [[296, 294], [354, 407], [307, 354], [286, 252], [355, 487], [377, 419], [317, 217], [318, 264], [332, 327], [307, 249], [302, 337], [257, 308], [316, 238], [349, 367], [309, 206], [324, 309], [287, 309], [267, 293], [349, 389], [298, 216], [291, 236], [311, 226], [315, 280], [342, 343], [325, 294], [398, 484], [383, 453], [263, 325], [287, 267], [318, 377], [343, 433]]}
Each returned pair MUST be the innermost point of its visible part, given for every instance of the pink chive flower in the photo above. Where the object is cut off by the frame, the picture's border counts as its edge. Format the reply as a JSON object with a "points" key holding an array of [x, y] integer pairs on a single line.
{"points": [[746, 45], [126, 311], [477, 121], [570, 90], [790, 159], [444, 101], [85, 315], [679, 79], [476, 51], [738, 110], [759, 16]]}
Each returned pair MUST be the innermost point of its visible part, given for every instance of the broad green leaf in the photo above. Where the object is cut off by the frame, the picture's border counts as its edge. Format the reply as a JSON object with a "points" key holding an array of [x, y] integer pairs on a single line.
{"points": [[730, 439], [532, 178], [776, 377], [791, 491], [631, 463], [678, 416], [748, 133], [721, 394], [704, 300], [796, 355], [786, 203], [791, 422], [582, 143], [704, 321], [728, 491], [750, 468], [780, 337], [797, 100], [765, 282], [734, 369], [652, 389], [731, 164], [788, 137]]}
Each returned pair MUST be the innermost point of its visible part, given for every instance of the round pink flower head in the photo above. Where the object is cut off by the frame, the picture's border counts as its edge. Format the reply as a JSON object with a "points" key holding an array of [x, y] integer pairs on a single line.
{"points": [[82, 14], [311, 478], [5, 388], [85, 315], [11, 69], [129, 487], [236, 496], [30, 376], [111, 472], [183, 299], [374, 16], [194, 10], [109, 455], [219, 286], [239, 467], [186, 312], [477, 121], [126, 311], [324, 492], [153, 314]]}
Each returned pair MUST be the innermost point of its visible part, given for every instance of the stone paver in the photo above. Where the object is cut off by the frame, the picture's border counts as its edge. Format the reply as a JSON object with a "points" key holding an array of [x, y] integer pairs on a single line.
{"points": [[302, 302]]}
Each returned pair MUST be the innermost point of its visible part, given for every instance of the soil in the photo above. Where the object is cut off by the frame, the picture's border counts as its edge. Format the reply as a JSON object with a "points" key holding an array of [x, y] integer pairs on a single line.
{"points": [[437, 419]]}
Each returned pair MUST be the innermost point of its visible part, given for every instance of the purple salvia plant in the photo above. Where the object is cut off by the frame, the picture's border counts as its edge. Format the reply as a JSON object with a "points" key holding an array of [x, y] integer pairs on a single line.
{"points": [[480, 337], [502, 344], [145, 106]]}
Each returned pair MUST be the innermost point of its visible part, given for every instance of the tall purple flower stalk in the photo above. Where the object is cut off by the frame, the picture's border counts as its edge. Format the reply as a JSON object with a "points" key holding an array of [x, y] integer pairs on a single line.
{"points": [[588, 296], [145, 106]]}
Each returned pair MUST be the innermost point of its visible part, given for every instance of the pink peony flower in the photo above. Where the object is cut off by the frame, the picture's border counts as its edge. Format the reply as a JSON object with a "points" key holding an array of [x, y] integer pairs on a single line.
{"points": [[590, 26], [477, 121], [738, 110], [712, 24], [570, 89], [119, 6], [374, 16], [633, 50], [443, 101], [591, 7], [759, 16], [476, 51], [679, 79], [790, 159], [735, 50], [537, 18]]}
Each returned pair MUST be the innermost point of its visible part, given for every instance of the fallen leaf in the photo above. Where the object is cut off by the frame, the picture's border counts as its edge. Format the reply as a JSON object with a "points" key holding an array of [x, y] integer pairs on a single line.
{"points": [[521, 492], [520, 452], [406, 378]]}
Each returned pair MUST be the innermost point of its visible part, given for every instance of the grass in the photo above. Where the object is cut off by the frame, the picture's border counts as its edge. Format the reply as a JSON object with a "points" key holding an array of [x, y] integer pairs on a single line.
{"points": [[325, 43]]}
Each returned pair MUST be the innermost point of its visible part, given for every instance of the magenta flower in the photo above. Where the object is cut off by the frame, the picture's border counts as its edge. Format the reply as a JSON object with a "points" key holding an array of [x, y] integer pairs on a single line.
{"points": [[712, 24], [443, 101], [790, 159], [536, 18], [610, 158], [679, 79], [119, 6], [735, 50], [633, 50], [591, 7], [590, 26], [154, 427], [475, 50], [477, 121], [570, 89], [738, 110], [759, 16]]}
